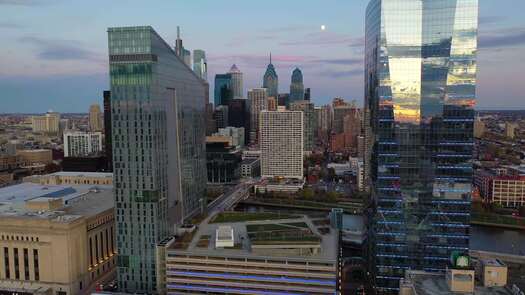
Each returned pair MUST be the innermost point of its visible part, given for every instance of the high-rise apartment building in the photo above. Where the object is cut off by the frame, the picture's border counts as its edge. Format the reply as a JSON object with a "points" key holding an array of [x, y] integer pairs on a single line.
{"points": [[420, 78], [258, 101], [324, 121], [479, 128], [200, 65], [158, 148], [309, 121], [510, 129], [281, 142], [82, 144], [95, 118], [48, 123], [236, 82], [271, 80], [223, 89], [296, 86]]}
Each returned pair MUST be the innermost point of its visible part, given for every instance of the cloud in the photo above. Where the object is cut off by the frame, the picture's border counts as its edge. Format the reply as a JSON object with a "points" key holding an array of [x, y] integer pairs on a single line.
{"points": [[9, 25], [48, 49], [340, 61], [491, 19], [342, 74], [502, 38], [21, 2]]}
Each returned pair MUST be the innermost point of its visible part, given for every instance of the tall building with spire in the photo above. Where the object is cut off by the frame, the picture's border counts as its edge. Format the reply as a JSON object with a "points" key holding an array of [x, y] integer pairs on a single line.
{"points": [[200, 65], [420, 82], [180, 51], [271, 80], [296, 86], [236, 82]]}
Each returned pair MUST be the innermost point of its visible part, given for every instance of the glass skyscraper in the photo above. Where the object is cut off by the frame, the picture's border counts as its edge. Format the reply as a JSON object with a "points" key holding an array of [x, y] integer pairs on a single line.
{"points": [[223, 91], [420, 77], [297, 86], [200, 65], [158, 137], [271, 80]]}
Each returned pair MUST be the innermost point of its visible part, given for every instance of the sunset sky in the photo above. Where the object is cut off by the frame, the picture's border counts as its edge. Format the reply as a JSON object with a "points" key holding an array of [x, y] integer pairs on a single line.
{"points": [[53, 53]]}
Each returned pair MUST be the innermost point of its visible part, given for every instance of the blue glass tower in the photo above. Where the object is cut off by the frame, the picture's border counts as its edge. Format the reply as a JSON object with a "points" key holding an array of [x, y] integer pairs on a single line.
{"points": [[271, 80], [223, 91], [297, 86], [420, 78]]}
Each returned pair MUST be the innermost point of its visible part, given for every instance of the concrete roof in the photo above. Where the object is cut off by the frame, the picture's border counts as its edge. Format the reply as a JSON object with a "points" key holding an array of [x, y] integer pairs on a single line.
{"points": [[80, 174]]}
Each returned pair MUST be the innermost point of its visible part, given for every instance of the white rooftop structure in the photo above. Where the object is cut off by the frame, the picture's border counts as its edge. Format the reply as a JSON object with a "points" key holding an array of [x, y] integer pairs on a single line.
{"points": [[224, 237]]}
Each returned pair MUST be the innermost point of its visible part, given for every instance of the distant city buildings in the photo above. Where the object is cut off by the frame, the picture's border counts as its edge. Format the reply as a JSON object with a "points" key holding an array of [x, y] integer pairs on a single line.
{"points": [[108, 146], [235, 133], [281, 142], [95, 118], [479, 128], [510, 130], [258, 101], [271, 80], [297, 86], [222, 160], [180, 51], [82, 144], [421, 134], [221, 116], [48, 123], [159, 154], [200, 64]]}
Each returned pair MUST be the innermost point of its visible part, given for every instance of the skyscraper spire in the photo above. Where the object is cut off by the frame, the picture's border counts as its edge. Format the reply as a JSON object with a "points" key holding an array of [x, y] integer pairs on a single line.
{"points": [[270, 58], [178, 32]]}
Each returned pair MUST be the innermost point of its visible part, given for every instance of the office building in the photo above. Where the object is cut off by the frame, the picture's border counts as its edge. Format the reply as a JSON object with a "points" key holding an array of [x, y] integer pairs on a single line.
{"points": [[108, 147], [281, 142], [324, 121], [48, 123], [504, 189], [221, 116], [296, 86], [283, 99], [239, 116], [235, 133], [82, 144], [222, 161], [180, 51], [32, 157], [223, 92], [236, 82], [270, 256], [95, 118], [250, 167], [258, 101], [510, 130], [158, 148], [339, 113], [271, 80], [200, 65], [352, 129], [307, 94], [272, 103], [479, 128], [420, 80], [56, 239], [309, 120]]}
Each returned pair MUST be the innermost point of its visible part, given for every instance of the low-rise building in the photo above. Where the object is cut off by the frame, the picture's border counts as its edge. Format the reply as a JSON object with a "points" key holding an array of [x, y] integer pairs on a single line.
{"points": [[39, 156], [222, 162], [277, 255], [505, 190], [72, 178], [56, 239]]}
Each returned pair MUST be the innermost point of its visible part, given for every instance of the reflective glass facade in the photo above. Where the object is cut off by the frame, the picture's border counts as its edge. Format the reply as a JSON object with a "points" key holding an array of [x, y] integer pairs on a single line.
{"points": [[223, 89], [420, 82], [158, 148], [271, 81], [296, 86]]}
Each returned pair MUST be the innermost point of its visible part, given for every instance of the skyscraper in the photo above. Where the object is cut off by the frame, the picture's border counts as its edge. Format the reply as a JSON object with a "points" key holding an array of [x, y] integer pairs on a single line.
{"points": [[309, 121], [238, 116], [95, 118], [48, 123], [271, 80], [158, 148], [236, 82], [420, 78], [200, 65], [258, 101], [281, 144], [223, 92], [180, 51], [297, 86]]}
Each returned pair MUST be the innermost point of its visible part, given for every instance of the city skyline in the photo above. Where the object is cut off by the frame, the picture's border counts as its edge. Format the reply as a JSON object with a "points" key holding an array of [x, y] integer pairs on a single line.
{"points": [[67, 69]]}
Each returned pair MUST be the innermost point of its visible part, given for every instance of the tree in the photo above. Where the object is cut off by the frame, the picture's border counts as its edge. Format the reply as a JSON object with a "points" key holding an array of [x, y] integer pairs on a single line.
{"points": [[307, 193]]}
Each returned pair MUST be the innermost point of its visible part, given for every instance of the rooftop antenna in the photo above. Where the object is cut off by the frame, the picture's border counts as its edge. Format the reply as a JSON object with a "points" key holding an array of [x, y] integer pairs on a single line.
{"points": [[178, 32], [270, 58]]}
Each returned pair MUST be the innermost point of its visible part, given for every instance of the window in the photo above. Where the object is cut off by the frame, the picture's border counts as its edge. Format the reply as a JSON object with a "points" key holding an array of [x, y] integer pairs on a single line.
{"points": [[26, 264], [35, 264], [17, 266], [6, 261]]}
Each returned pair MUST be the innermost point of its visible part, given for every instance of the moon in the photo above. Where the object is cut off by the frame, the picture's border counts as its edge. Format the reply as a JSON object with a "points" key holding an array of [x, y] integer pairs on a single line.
{"points": [[323, 27]]}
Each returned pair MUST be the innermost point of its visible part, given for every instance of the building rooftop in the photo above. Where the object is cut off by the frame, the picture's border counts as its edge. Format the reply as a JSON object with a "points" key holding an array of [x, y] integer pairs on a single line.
{"points": [[66, 201], [83, 174], [249, 161], [426, 283], [262, 235]]}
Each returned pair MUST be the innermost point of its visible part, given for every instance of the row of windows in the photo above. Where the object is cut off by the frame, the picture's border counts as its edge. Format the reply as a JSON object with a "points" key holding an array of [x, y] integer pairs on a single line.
{"points": [[15, 272], [19, 238]]}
